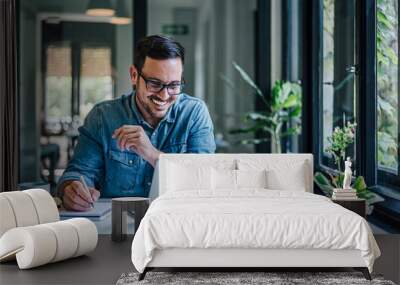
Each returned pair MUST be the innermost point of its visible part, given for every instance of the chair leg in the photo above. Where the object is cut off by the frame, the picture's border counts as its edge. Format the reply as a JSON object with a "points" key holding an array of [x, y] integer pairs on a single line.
{"points": [[364, 271], [143, 274]]}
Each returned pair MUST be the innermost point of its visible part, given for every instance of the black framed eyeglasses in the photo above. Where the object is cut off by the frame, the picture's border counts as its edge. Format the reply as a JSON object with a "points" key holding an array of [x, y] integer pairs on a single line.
{"points": [[156, 86]]}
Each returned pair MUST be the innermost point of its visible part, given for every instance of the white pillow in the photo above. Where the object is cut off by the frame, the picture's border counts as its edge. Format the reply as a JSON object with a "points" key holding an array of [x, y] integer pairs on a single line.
{"points": [[282, 172], [292, 179], [228, 179], [183, 177], [251, 178], [224, 179]]}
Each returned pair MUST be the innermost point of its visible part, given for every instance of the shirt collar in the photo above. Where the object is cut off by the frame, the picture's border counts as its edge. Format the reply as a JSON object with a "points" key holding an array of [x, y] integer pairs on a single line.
{"points": [[169, 117], [135, 109]]}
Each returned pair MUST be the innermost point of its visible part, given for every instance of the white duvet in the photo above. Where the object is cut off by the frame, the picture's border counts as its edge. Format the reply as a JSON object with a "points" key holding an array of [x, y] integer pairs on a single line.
{"points": [[252, 218]]}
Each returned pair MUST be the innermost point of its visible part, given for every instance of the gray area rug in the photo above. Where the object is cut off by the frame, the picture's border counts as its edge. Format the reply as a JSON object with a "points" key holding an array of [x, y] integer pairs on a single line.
{"points": [[229, 278]]}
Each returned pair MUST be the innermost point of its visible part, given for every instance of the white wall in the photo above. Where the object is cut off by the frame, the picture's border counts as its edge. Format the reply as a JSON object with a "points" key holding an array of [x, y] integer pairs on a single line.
{"points": [[124, 59]]}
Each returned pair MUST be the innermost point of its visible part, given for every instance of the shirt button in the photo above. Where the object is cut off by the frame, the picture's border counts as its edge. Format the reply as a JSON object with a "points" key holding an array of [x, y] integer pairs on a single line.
{"points": [[148, 183], [130, 161]]}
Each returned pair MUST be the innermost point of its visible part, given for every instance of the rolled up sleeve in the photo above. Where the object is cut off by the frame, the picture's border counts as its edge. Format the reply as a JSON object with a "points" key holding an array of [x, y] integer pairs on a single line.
{"points": [[88, 159]]}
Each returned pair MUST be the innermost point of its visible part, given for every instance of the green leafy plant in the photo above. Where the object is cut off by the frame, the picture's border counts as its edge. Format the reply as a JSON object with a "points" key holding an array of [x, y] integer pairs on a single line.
{"points": [[281, 115], [387, 85], [340, 140]]}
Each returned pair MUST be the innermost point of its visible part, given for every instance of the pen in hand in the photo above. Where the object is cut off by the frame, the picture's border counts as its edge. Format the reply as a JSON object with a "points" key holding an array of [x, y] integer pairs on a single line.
{"points": [[86, 189]]}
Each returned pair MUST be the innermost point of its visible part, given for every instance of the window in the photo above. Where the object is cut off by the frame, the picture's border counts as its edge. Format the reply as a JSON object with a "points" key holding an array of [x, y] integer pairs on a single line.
{"points": [[387, 90], [340, 26], [80, 62], [78, 72], [353, 75], [95, 78], [338, 80], [67, 61], [58, 81]]}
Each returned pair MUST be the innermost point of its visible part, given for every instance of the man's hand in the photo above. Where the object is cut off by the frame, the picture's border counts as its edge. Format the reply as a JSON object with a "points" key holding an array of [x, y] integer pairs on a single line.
{"points": [[134, 138], [77, 199]]}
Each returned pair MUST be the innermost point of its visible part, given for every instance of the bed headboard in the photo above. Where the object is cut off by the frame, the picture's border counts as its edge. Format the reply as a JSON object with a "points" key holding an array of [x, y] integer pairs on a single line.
{"points": [[233, 161]]}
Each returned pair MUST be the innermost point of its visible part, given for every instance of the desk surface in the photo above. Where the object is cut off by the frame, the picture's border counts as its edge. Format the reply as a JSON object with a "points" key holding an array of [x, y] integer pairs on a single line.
{"points": [[102, 266], [103, 224]]}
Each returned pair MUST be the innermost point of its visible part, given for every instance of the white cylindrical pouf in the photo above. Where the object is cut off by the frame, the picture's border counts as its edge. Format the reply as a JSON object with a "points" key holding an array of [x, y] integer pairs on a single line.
{"points": [[7, 218], [40, 244], [87, 235], [46, 208], [67, 239], [40, 247], [23, 208], [31, 232], [33, 246]]}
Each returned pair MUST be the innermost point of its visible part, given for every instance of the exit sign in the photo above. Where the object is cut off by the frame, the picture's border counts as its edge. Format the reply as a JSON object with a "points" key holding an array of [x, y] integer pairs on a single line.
{"points": [[175, 29]]}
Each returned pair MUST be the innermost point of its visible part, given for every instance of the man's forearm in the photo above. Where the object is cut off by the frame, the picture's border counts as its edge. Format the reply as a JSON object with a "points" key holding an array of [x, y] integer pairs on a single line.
{"points": [[153, 157]]}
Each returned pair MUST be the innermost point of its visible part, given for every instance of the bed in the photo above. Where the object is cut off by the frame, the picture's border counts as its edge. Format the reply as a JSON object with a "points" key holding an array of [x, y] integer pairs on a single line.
{"points": [[246, 211]]}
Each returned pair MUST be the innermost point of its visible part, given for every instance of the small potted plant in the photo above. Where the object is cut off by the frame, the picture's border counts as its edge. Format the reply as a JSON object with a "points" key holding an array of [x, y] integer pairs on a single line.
{"points": [[340, 140]]}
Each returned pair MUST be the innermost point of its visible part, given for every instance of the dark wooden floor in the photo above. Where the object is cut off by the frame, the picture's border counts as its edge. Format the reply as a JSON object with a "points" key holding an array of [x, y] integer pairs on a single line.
{"points": [[110, 260], [389, 262], [103, 266]]}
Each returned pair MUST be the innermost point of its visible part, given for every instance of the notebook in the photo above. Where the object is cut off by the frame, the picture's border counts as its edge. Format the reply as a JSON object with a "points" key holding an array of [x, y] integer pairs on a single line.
{"points": [[101, 209]]}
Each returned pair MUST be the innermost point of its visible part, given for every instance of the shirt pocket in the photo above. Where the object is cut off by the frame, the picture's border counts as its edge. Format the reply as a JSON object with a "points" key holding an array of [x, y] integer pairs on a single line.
{"points": [[175, 148], [122, 169]]}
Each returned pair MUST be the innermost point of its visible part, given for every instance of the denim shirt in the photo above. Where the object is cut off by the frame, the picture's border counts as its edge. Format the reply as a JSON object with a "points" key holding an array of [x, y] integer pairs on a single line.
{"points": [[186, 128]]}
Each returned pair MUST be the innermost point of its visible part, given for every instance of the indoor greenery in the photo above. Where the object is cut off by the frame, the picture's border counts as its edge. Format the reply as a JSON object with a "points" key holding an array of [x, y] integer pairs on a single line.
{"points": [[280, 117], [387, 82], [340, 140]]}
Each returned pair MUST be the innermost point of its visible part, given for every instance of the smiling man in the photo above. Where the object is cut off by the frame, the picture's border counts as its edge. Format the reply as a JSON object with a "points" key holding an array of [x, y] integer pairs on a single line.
{"points": [[122, 139]]}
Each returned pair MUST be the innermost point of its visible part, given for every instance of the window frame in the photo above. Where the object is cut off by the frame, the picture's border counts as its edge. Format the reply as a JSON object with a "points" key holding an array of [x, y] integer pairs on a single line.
{"points": [[367, 105], [366, 102], [325, 161]]}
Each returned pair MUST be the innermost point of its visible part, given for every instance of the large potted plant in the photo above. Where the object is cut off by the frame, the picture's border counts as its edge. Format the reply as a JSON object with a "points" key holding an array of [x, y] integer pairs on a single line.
{"points": [[280, 117]]}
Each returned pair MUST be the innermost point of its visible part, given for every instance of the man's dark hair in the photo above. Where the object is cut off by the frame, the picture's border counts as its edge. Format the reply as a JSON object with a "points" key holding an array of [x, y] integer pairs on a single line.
{"points": [[157, 47]]}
